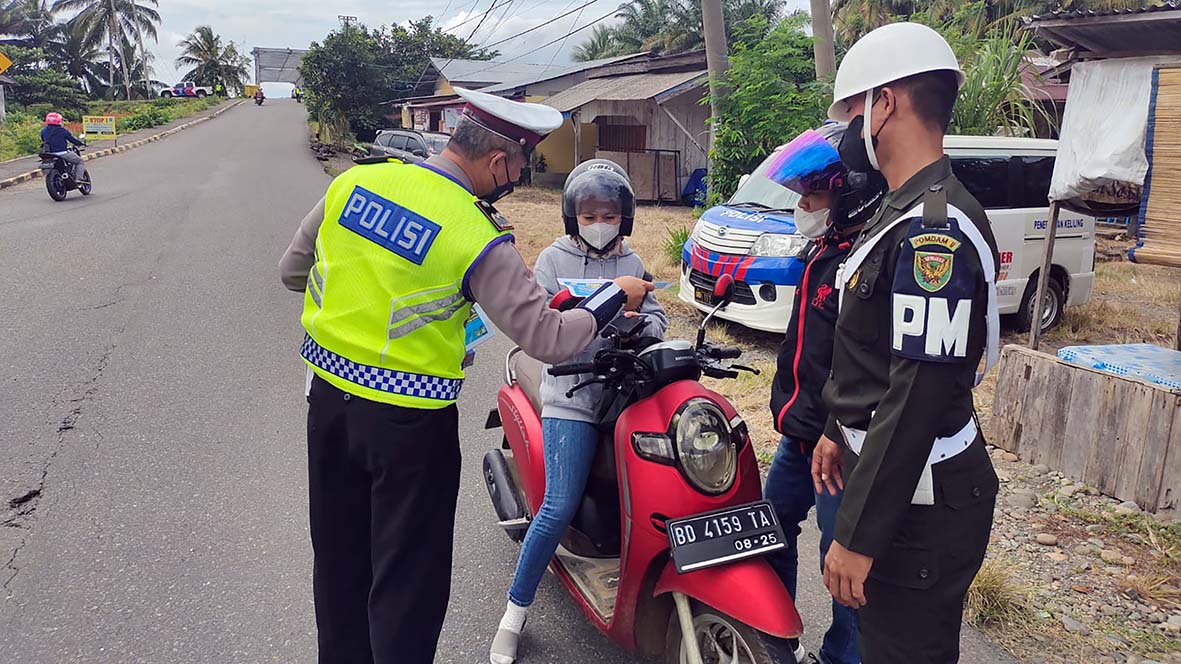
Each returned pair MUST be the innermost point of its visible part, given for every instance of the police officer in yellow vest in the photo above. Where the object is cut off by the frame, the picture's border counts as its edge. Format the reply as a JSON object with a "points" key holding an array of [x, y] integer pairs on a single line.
{"points": [[391, 261]]}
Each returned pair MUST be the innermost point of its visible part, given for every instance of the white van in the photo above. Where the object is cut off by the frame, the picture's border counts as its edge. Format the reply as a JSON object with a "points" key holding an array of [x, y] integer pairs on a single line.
{"points": [[1009, 176]]}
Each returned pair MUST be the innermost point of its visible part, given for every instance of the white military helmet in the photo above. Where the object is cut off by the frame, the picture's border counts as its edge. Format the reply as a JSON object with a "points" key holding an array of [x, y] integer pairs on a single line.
{"points": [[889, 53]]}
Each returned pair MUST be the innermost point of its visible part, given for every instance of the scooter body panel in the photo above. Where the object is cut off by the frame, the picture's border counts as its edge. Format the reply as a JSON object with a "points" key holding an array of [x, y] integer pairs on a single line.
{"points": [[746, 590], [522, 428]]}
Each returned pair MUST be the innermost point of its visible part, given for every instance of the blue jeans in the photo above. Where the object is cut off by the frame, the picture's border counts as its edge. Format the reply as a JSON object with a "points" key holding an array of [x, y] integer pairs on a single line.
{"points": [[791, 492], [569, 450]]}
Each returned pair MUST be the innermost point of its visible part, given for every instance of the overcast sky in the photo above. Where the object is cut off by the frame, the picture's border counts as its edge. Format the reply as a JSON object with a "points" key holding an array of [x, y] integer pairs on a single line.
{"points": [[297, 23]]}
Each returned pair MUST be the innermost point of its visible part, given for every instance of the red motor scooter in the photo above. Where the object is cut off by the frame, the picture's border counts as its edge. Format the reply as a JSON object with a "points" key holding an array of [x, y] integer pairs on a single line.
{"points": [[663, 555]]}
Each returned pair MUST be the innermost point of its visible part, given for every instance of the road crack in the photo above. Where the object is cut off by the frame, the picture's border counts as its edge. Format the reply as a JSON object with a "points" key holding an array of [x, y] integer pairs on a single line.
{"points": [[25, 505]]}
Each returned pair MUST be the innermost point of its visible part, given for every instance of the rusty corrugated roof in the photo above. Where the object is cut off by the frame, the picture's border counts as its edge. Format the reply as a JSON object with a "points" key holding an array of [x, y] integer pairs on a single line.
{"points": [[634, 87], [1153, 30]]}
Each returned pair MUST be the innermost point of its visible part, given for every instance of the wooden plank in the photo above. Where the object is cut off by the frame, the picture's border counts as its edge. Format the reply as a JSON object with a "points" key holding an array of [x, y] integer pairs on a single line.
{"points": [[1029, 442], [1158, 432], [1170, 483], [1079, 434], [1107, 447], [1135, 429], [1007, 401], [1063, 395]]}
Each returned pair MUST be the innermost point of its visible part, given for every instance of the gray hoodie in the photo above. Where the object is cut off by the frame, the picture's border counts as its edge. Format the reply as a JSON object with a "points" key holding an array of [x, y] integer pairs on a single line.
{"points": [[568, 258]]}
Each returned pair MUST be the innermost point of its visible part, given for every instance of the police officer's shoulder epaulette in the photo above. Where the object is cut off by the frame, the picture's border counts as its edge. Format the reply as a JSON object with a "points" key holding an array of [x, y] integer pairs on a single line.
{"points": [[499, 221], [379, 159]]}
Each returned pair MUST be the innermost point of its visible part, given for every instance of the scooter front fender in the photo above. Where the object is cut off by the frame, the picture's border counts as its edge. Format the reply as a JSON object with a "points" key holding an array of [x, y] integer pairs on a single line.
{"points": [[747, 590]]}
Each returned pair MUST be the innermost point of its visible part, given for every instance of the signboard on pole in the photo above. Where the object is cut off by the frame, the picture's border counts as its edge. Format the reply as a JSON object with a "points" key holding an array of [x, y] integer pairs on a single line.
{"points": [[5, 63], [101, 127]]}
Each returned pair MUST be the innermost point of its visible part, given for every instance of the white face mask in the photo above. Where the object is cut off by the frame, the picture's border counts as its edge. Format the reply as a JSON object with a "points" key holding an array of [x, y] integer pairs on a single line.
{"points": [[811, 224], [598, 235]]}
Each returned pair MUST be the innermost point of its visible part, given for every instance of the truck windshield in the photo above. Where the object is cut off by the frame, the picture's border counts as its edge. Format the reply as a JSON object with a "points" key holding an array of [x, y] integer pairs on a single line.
{"points": [[761, 193]]}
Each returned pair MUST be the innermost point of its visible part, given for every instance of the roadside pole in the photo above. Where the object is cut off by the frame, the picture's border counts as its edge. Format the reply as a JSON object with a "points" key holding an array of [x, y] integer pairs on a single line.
{"points": [[713, 24]]}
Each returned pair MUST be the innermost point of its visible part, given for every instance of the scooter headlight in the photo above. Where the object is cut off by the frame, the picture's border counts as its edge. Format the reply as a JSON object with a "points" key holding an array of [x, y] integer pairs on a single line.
{"points": [[706, 447]]}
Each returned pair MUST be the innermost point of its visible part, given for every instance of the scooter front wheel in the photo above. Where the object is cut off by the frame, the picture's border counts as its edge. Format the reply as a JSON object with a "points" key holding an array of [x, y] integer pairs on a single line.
{"points": [[724, 640]]}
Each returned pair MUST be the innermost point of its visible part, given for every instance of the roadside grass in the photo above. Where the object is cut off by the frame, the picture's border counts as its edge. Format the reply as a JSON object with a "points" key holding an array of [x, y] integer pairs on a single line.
{"points": [[997, 598]]}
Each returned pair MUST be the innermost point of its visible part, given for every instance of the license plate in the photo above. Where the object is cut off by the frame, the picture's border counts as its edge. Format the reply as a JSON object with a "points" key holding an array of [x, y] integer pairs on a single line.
{"points": [[723, 536], [702, 295]]}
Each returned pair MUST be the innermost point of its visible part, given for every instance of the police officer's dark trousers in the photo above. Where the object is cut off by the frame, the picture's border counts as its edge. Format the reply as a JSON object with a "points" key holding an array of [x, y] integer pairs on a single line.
{"points": [[383, 482], [915, 593]]}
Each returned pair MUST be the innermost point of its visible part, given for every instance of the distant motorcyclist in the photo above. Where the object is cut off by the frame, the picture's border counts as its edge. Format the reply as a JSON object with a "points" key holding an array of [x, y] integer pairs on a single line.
{"points": [[57, 140], [259, 96]]}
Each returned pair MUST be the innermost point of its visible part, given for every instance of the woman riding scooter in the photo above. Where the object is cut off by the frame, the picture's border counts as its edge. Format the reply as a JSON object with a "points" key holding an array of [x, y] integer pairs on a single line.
{"points": [[598, 208]]}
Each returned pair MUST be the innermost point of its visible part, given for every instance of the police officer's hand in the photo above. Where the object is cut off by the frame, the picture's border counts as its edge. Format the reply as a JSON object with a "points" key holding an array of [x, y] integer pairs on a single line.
{"points": [[845, 572], [826, 467], [636, 289]]}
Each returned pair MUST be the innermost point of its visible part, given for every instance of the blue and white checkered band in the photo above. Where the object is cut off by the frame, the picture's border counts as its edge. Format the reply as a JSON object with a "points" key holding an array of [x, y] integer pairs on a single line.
{"points": [[377, 378]]}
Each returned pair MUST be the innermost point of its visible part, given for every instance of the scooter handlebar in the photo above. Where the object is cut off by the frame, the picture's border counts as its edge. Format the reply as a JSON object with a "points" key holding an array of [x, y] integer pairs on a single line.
{"points": [[726, 353], [572, 369]]}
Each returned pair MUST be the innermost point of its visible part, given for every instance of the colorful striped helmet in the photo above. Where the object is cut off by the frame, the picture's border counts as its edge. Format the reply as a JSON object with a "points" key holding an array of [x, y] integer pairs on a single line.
{"points": [[53, 119], [810, 162]]}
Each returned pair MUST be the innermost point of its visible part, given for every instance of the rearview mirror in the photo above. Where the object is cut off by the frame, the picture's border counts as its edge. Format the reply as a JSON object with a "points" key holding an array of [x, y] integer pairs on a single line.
{"points": [[724, 290]]}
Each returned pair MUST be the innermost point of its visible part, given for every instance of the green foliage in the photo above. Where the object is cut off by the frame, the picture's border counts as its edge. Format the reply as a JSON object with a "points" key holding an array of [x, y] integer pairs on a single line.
{"points": [[37, 85], [674, 243], [772, 97], [355, 69], [20, 135], [145, 117], [675, 26]]}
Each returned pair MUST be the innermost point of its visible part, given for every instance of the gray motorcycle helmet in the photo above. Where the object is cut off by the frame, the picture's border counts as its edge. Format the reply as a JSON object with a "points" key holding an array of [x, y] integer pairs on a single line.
{"points": [[599, 178]]}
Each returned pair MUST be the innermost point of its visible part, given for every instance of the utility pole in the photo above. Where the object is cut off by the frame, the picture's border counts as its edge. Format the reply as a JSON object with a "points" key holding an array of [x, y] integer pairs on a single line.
{"points": [[823, 51], [346, 21], [713, 24]]}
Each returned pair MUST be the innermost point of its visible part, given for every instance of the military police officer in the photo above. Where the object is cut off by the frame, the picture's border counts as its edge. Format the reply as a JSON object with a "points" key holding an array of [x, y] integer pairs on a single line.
{"points": [[918, 311], [391, 261]]}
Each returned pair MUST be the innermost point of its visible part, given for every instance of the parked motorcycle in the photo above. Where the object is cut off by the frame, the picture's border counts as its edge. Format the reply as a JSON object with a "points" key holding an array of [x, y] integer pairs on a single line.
{"points": [[663, 555], [60, 178]]}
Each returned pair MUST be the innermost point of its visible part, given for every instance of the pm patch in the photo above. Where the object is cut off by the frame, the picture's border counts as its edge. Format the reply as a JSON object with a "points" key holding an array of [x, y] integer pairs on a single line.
{"points": [[932, 298], [389, 225]]}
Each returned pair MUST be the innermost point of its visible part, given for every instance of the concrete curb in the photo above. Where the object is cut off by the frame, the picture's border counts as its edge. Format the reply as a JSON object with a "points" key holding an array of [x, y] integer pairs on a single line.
{"points": [[25, 177]]}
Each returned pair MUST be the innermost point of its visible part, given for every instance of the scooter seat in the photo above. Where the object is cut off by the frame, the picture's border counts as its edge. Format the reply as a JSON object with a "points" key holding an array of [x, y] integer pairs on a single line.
{"points": [[529, 373]]}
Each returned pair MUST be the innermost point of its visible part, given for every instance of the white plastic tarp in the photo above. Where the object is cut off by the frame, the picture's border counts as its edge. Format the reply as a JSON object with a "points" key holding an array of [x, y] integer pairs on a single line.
{"points": [[1101, 144]]}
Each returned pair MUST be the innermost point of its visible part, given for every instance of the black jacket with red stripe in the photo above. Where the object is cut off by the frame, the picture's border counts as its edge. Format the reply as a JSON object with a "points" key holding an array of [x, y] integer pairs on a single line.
{"points": [[805, 357]]}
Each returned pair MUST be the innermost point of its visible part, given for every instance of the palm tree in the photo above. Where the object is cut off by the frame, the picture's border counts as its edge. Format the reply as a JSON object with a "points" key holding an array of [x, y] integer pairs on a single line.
{"points": [[75, 50], [601, 44], [29, 22], [212, 62], [116, 20]]}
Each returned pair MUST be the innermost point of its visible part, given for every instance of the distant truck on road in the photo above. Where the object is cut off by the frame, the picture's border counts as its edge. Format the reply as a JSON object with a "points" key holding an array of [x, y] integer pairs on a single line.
{"points": [[187, 89]]}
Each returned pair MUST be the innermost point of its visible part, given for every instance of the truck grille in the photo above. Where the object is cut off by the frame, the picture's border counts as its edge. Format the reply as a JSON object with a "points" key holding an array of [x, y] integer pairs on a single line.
{"points": [[726, 240]]}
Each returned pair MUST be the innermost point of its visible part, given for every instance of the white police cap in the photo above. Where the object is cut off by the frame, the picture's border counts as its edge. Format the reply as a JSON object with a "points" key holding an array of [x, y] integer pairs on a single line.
{"points": [[520, 122]]}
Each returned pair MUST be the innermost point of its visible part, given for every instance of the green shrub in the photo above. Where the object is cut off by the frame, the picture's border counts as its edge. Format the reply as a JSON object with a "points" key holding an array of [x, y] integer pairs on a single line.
{"points": [[144, 118], [19, 138], [674, 243]]}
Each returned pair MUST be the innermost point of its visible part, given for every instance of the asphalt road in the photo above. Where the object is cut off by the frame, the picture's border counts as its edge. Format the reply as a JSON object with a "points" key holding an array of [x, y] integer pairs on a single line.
{"points": [[152, 463]]}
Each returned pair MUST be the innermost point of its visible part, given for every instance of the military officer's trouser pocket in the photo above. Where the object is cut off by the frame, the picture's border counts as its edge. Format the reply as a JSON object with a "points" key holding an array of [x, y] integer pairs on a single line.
{"points": [[915, 567]]}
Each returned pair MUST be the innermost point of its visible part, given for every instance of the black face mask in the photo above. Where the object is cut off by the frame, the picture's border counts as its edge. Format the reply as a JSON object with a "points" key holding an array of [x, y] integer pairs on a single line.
{"points": [[852, 148], [501, 190]]}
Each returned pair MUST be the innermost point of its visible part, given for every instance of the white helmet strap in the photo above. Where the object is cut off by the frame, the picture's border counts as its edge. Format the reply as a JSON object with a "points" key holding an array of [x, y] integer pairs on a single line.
{"points": [[867, 131]]}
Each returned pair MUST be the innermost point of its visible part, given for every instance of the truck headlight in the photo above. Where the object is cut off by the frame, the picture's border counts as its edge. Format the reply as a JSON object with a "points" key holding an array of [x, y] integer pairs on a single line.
{"points": [[706, 447], [777, 245]]}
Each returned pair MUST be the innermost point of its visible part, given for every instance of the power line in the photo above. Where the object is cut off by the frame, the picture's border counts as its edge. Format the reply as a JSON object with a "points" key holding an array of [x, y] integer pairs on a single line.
{"points": [[542, 25], [551, 43], [427, 66], [559, 49], [472, 17], [500, 21]]}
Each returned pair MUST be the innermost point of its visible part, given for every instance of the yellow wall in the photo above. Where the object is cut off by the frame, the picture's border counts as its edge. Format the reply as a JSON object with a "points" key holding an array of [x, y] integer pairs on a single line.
{"points": [[558, 147], [443, 87]]}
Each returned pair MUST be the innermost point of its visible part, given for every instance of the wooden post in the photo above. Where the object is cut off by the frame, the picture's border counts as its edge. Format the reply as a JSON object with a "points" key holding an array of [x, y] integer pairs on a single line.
{"points": [[1043, 276], [576, 118], [1177, 339]]}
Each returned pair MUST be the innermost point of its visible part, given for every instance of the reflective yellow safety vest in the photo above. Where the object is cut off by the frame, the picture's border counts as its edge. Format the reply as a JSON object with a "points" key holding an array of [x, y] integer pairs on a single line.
{"points": [[386, 300]]}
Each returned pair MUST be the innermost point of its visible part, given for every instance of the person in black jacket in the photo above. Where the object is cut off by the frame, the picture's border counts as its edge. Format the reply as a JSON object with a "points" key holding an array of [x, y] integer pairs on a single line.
{"points": [[56, 140], [833, 206]]}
